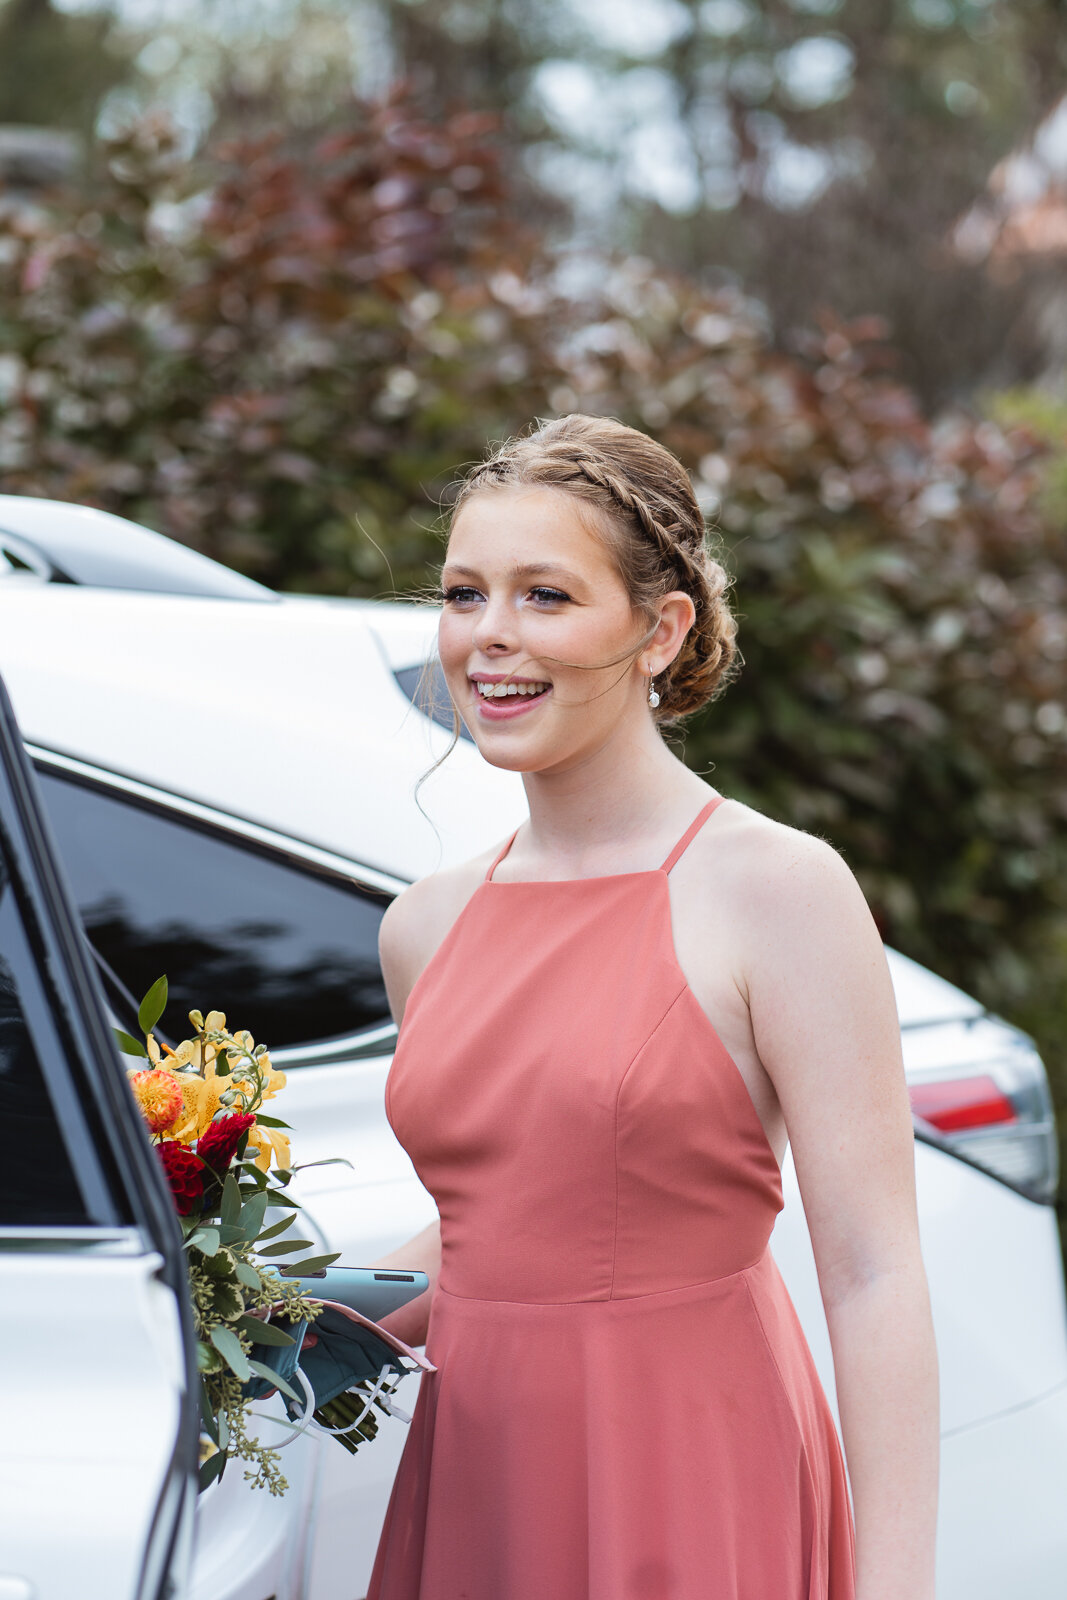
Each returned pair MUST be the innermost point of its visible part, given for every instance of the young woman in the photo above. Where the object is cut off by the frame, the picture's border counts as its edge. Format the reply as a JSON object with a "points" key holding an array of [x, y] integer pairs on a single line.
{"points": [[611, 1025]]}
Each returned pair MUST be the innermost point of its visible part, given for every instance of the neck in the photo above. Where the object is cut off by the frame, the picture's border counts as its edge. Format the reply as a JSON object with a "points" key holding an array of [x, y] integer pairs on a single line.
{"points": [[610, 808]]}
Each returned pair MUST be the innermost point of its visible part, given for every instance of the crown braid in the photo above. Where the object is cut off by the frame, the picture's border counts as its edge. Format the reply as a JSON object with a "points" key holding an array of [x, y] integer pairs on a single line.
{"points": [[658, 531]]}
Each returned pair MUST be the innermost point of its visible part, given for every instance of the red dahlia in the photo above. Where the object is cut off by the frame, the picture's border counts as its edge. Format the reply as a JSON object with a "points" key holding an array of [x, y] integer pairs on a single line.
{"points": [[183, 1174], [217, 1145]]}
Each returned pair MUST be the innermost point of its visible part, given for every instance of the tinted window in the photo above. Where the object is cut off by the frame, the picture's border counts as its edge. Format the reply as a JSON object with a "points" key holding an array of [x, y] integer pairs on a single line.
{"points": [[288, 953], [37, 1184]]}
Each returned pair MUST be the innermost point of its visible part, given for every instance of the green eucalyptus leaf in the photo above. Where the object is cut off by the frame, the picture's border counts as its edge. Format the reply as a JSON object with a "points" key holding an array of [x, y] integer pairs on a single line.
{"points": [[252, 1214], [247, 1275], [153, 1005], [285, 1247], [263, 1371], [277, 1227], [230, 1209], [207, 1415], [128, 1044], [261, 1332], [228, 1346], [300, 1269], [206, 1240], [327, 1161], [211, 1469]]}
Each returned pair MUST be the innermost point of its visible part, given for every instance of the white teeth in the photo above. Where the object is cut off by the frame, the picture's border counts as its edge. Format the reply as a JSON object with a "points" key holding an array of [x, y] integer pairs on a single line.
{"points": [[499, 691]]}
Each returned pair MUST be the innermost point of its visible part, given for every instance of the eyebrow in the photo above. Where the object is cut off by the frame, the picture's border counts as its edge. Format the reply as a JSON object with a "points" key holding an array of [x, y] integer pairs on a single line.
{"points": [[538, 569]]}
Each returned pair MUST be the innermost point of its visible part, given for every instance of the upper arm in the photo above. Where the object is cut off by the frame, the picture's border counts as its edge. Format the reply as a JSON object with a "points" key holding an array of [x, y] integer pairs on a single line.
{"points": [[401, 935], [414, 925], [825, 1025]]}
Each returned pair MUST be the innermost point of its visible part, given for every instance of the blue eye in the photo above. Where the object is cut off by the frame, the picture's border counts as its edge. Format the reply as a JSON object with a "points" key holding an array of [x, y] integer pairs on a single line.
{"points": [[460, 595]]}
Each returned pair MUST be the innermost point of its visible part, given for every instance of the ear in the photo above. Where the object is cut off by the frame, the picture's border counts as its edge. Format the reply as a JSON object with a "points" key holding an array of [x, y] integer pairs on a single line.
{"points": [[677, 614]]}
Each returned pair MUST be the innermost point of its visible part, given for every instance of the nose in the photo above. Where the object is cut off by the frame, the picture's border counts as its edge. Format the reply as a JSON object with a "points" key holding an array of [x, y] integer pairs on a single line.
{"points": [[494, 630]]}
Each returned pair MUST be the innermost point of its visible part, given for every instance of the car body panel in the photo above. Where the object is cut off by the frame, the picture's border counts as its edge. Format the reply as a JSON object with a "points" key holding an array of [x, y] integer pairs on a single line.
{"points": [[92, 1389], [276, 706], [996, 1288], [1002, 1498]]}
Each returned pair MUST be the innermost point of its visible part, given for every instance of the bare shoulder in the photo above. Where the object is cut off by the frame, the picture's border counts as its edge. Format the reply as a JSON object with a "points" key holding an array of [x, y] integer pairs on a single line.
{"points": [[417, 921], [788, 892], [777, 860]]}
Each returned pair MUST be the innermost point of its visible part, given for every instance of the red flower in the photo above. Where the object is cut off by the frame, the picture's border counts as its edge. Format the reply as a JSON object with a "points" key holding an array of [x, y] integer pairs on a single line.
{"points": [[183, 1174], [217, 1145]]}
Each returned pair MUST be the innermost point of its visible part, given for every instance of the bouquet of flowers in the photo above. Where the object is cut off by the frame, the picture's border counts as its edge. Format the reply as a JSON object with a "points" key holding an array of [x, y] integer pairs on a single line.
{"points": [[203, 1103]]}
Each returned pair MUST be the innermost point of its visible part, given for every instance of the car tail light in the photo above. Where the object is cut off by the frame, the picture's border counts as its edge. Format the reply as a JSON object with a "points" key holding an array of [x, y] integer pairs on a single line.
{"points": [[996, 1114]]}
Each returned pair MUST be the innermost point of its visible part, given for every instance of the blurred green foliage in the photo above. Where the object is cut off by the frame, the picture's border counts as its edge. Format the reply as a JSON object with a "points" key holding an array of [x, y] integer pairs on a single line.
{"points": [[282, 356], [56, 67], [1045, 415]]}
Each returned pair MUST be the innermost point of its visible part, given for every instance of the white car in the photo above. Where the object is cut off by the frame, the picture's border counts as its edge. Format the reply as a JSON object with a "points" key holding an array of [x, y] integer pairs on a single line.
{"points": [[233, 781]]}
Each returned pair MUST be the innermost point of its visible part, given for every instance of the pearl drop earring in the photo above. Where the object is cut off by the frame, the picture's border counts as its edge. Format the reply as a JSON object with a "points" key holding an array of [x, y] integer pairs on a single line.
{"points": [[653, 696]]}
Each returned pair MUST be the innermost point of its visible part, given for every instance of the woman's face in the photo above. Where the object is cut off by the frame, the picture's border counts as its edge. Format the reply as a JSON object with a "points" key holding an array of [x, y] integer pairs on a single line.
{"points": [[533, 607]]}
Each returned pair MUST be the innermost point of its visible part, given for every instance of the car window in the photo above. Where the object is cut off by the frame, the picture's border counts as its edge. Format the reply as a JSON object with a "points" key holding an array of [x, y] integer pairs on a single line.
{"points": [[37, 1183], [286, 951]]}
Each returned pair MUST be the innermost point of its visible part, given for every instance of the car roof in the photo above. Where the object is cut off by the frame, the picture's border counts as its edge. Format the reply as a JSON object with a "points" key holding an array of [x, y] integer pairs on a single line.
{"points": [[54, 541]]}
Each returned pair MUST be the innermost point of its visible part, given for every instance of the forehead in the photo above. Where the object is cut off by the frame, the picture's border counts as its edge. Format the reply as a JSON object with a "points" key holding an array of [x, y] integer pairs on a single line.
{"points": [[530, 523]]}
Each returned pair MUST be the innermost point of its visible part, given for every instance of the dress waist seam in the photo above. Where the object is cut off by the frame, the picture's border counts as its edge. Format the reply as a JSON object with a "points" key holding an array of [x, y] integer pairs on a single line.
{"points": [[604, 1299]]}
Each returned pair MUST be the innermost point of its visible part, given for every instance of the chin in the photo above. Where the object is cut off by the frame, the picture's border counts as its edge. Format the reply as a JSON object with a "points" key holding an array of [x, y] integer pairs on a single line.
{"points": [[510, 760]]}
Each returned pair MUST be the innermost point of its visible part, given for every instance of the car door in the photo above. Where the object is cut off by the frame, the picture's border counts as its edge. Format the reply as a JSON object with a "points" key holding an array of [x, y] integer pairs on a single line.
{"points": [[284, 937], [98, 1437]]}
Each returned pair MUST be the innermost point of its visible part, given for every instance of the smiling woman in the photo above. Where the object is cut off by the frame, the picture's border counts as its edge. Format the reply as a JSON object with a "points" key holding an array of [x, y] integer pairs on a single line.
{"points": [[610, 1025]]}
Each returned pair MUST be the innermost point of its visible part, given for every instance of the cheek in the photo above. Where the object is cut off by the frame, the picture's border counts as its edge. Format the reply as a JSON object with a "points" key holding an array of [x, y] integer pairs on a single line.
{"points": [[453, 638]]}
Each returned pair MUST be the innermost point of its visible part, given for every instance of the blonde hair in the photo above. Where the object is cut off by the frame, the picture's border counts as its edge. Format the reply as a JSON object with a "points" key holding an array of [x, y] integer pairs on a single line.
{"points": [[655, 527]]}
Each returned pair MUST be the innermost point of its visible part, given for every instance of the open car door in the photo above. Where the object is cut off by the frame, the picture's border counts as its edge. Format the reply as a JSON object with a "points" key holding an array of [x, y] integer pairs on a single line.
{"points": [[98, 1432]]}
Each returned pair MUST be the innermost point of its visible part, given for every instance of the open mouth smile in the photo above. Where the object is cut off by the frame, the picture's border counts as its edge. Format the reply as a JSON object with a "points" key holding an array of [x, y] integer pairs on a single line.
{"points": [[508, 698]]}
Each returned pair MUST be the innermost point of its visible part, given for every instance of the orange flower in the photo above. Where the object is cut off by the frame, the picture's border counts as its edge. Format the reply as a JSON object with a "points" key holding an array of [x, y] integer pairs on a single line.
{"points": [[159, 1095]]}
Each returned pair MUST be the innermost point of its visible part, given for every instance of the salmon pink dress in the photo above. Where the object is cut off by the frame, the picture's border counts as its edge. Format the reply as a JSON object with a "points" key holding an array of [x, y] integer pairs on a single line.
{"points": [[625, 1406]]}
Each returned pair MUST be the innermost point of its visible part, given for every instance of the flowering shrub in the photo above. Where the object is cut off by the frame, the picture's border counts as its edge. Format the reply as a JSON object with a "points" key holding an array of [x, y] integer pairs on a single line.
{"points": [[281, 353]]}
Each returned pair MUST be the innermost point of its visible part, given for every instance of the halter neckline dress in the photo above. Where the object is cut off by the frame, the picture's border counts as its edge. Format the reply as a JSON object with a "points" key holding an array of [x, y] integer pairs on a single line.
{"points": [[625, 1406]]}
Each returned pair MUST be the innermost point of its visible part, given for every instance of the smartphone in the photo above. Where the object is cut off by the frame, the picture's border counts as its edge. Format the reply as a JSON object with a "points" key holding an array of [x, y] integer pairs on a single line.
{"points": [[372, 1291]]}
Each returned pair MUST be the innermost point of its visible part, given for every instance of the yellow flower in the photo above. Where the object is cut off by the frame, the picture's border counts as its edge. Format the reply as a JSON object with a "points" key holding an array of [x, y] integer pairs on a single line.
{"points": [[269, 1142], [159, 1095], [200, 1101]]}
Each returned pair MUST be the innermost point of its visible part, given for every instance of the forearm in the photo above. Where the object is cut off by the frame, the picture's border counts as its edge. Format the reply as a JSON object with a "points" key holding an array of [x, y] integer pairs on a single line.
{"points": [[423, 1253], [885, 1363]]}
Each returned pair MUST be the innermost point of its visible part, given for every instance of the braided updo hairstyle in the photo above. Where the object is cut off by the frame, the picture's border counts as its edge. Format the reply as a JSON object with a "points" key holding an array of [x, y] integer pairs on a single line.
{"points": [[649, 511]]}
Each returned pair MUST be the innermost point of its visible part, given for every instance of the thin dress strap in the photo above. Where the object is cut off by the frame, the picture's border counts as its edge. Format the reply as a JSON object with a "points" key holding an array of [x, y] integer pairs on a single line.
{"points": [[687, 837], [501, 853]]}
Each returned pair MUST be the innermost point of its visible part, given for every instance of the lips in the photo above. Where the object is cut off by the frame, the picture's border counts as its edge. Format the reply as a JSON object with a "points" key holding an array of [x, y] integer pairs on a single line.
{"points": [[507, 698]]}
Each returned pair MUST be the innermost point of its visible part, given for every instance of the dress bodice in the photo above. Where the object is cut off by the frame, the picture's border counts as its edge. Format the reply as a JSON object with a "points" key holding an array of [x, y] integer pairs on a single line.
{"points": [[567, 1102]]}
